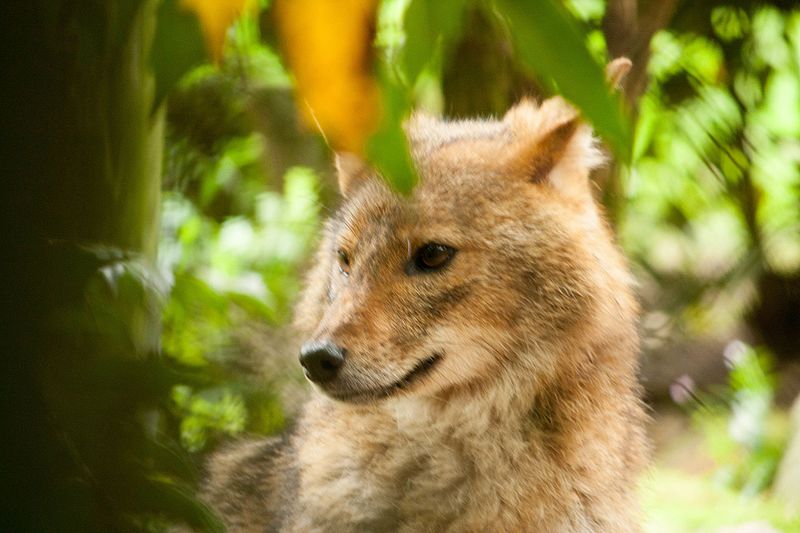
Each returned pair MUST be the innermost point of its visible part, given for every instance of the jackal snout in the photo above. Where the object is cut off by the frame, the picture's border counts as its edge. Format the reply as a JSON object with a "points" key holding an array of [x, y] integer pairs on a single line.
{"points": [[321, 360]]}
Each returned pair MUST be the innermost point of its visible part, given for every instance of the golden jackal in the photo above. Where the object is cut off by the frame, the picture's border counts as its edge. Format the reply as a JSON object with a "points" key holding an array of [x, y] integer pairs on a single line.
{"points": [[473, 346]]}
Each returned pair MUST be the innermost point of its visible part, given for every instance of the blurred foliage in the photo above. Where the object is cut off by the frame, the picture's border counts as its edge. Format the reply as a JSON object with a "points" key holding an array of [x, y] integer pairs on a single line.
{"points": [[328, 46], [336, 85], [548, 38], [105, 398], [231, 246], [743, 432], [224, 276], [713, 196], [109, 394], [676, 502]]}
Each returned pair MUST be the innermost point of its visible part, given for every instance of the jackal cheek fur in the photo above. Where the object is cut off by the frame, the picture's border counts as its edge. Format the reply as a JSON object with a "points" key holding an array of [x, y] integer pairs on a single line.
{"points": [[473, 347]]}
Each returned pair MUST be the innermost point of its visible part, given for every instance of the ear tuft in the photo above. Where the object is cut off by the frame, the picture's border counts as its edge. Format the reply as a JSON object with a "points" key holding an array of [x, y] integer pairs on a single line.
{"points": [[528, 117], [351, 170], [550, 144], [616, 71]]}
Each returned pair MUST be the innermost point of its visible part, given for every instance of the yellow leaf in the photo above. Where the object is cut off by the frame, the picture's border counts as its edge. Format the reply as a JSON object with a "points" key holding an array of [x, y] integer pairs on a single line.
{"points": [[215, 17], [328, 44]]}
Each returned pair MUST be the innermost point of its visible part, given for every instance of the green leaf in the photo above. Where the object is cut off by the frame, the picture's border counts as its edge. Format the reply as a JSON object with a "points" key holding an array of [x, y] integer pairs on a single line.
{"points": [[549, 42], [427, 24], [388, 148], [177, 501], [177, 48]]}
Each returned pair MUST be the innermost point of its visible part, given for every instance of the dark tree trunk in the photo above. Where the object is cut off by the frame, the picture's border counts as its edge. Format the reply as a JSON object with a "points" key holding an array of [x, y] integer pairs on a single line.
{"points": [[81, 163]]}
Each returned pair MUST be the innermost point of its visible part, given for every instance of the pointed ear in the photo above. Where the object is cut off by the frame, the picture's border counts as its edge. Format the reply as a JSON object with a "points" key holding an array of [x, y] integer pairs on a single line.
{"points": [[616, 71], [351, 170], [551, 144]]}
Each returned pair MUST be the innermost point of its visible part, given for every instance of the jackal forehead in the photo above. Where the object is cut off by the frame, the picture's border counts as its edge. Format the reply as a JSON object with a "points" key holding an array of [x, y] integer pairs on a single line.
{"points": [[375, 209], [427, 134], [383, 223]]}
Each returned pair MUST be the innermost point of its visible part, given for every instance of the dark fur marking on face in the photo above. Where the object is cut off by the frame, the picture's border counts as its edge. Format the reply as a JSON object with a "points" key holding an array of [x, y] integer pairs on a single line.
{"points": [[422, 368], [552, 297], [435, 306], [412, 334], [427, 310], [544, 419]]}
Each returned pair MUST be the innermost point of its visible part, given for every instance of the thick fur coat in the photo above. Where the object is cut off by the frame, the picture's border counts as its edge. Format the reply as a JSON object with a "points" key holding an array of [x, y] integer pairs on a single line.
{"points": [[496, 392]]}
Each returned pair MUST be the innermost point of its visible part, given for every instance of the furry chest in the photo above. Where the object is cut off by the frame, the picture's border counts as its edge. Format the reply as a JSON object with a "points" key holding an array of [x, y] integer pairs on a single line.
{"points": [[431, 484]]}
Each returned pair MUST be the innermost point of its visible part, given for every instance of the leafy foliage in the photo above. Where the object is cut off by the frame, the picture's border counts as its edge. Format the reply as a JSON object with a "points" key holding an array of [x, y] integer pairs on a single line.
{"points": [[416, 34], [713, 192], [231, 245], [745, 435]]}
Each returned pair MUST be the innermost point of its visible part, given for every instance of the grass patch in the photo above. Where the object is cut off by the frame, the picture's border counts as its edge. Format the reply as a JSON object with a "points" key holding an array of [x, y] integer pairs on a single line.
{"points": [[675, 502]]}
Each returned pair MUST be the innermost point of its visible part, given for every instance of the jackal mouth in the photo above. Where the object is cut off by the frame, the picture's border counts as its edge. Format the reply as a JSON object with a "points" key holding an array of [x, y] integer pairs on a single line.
{"points": [[420, 370]]}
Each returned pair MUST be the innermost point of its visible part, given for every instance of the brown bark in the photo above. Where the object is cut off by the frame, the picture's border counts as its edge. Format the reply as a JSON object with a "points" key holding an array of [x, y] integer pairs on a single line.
{"points": [[628, 26]]}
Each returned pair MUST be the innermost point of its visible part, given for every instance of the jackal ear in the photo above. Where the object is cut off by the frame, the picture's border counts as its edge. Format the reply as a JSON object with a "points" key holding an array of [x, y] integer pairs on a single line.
{"points": [[551, 144], [351, 171], [616, 71]]}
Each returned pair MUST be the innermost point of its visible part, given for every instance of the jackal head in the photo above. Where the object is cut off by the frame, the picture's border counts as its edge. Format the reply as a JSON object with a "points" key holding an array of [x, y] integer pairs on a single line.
{"points": [[496, 263]]}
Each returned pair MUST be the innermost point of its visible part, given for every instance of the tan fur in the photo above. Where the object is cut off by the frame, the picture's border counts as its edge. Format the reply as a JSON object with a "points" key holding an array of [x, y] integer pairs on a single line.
{"points": [[352, 170], [530, 420], [616, 71]]}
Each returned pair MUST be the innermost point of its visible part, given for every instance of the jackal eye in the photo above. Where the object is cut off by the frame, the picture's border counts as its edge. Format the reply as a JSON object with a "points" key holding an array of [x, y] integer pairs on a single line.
{"points": [[344, 261], [432, 256]]}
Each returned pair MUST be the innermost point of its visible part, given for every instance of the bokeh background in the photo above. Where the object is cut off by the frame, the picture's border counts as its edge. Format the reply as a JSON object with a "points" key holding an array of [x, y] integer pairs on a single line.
{"points": [[167, 166]]}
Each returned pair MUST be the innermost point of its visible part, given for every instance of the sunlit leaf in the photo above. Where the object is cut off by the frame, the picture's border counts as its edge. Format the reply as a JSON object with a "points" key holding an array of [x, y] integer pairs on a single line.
{"points": [[729, 22], [782, 104], [328, 46], [428, 23], [770, 47], [587, 10], [388, 148], [216, 16]]}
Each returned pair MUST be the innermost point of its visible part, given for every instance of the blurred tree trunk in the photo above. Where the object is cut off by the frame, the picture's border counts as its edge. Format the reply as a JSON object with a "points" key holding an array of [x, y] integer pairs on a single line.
{"points": [[482, 77], [628, 26], [82, 161]]}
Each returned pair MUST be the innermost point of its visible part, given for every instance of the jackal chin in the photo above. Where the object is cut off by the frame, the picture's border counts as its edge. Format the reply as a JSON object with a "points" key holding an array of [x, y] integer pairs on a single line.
{"points": [[352, 391]]}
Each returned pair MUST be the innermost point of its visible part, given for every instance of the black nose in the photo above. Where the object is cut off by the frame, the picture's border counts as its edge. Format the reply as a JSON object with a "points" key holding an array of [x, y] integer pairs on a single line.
{"points": [[322, 360]]}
